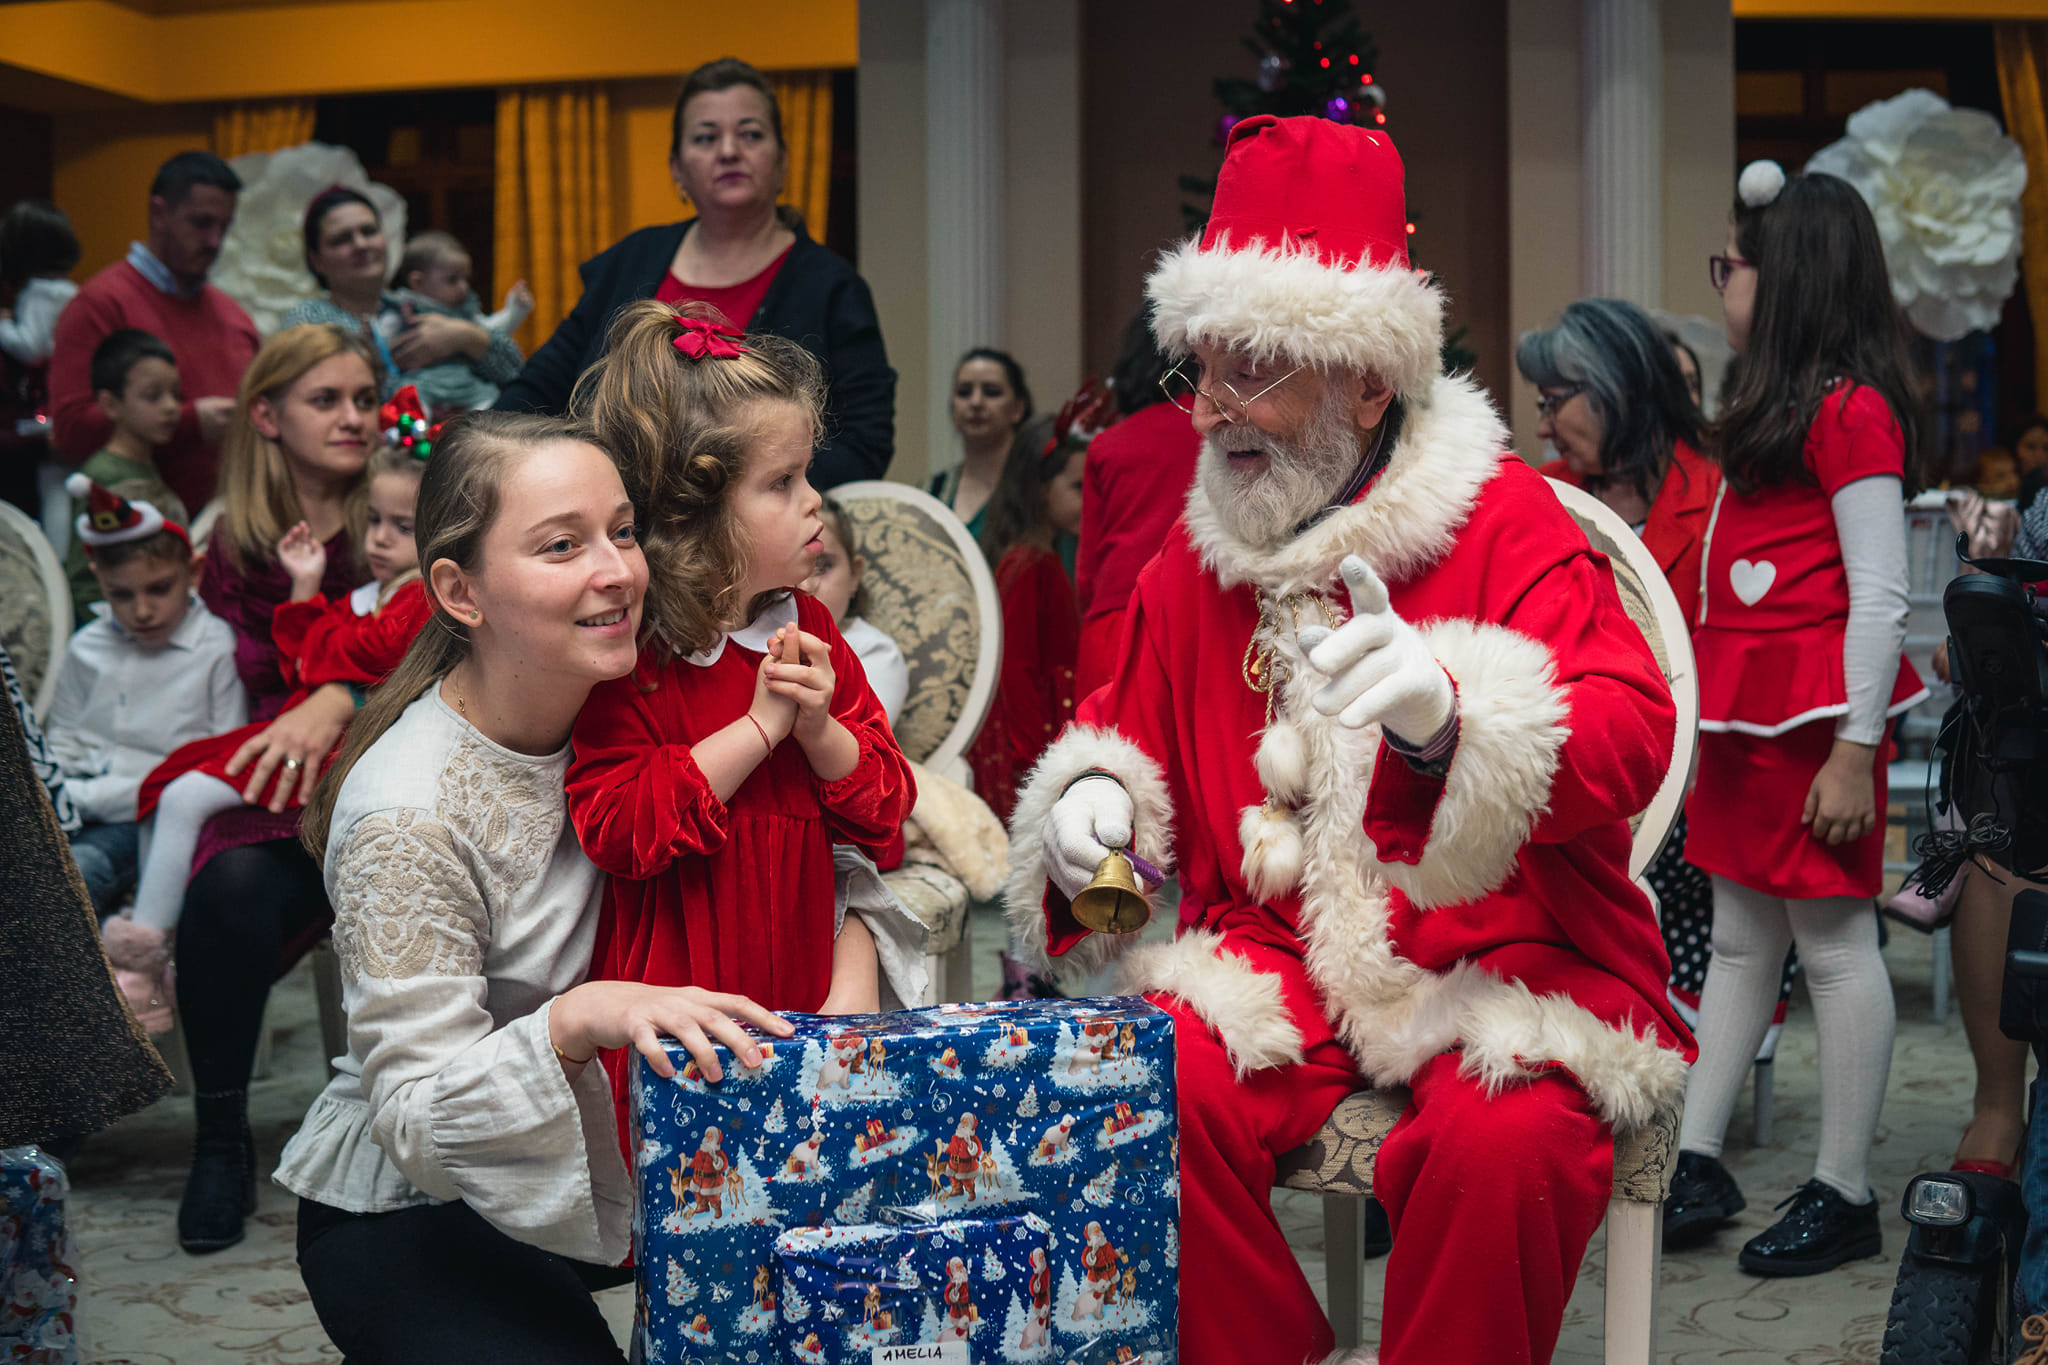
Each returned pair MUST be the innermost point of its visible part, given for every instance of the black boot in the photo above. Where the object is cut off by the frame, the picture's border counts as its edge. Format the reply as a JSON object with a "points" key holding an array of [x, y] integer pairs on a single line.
{"points": [[1703, 1197], [221, 1190], [1821, 1231]]}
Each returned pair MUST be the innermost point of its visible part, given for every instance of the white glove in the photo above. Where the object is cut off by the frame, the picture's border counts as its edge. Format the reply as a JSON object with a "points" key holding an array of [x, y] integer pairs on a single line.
{"points": [[1378, 666], [1087, 824]]}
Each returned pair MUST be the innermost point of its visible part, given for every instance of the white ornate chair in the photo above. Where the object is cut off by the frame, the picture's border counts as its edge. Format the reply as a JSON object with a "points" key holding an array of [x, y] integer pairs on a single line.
{"points": [[35, 605], [1338, 1162], [930, 589]]}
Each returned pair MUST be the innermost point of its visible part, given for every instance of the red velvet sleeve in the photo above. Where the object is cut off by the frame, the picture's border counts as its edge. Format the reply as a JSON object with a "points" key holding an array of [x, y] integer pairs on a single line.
{"points": [[291, 623], [636, 799], [343, 647], [868, 806]]}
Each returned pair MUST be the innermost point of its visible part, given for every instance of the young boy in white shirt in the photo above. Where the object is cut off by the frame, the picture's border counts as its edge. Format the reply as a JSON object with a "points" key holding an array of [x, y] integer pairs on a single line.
{"points": [[154, 671]]}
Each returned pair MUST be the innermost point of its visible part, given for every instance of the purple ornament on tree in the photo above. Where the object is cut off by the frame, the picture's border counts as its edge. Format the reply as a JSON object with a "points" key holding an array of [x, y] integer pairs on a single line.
{"points": [[1223, 127], [1338, 110]]}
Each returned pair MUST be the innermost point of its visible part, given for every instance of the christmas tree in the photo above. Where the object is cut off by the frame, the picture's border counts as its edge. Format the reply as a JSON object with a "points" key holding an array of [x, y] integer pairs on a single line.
{"points": [[1101, 1191], [1028, 1106], [1172, 1246], [1314, 59], [854, 1208], [776, 1122], [681, 1288], [991, 1264]]}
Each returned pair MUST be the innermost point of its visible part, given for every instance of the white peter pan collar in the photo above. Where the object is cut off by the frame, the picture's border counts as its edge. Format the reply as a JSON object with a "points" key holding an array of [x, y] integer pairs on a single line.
{"points": [[754, 635]]}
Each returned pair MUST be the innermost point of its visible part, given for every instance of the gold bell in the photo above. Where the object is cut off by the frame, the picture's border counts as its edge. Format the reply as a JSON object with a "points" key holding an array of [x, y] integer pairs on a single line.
{"points": [[1114, 903]]}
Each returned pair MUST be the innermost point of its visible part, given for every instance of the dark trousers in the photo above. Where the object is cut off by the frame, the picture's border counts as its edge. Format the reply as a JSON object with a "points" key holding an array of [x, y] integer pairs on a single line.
{"points": [[242, 913], [108, 858], [436, 1284]]}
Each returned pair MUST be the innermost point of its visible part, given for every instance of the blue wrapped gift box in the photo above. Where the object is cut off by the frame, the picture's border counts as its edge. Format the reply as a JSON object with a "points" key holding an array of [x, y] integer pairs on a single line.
{"points": [[936, 1118]]}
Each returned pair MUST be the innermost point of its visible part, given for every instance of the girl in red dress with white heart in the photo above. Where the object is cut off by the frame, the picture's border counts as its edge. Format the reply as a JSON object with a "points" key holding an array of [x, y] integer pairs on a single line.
{"points": [[713, 781], [1803, 612]]}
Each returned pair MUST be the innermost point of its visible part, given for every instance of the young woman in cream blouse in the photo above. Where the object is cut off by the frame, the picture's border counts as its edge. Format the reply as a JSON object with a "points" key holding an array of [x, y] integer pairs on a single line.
{"points": [[461, 1187]]}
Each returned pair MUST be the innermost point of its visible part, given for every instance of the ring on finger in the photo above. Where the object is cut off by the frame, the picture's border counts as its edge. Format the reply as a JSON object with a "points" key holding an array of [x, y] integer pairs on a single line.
{"points": [[293, 764]]}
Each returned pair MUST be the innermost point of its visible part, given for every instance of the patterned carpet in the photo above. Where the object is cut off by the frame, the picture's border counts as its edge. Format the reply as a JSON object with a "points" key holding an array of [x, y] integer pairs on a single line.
{"points": [[149, 1303]]}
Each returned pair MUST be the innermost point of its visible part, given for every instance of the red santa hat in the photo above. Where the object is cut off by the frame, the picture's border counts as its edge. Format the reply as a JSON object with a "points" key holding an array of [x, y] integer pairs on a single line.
{"points": [[1305, 258], [110, 519]]}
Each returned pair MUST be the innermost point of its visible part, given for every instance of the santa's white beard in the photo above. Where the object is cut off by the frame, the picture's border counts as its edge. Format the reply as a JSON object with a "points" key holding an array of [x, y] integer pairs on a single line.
{"points": [[1261, 509]]}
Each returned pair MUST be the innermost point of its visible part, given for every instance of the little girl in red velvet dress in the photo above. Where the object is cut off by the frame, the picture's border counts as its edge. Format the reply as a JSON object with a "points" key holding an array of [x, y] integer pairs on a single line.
{"points": [[713, 781], [356, 640]]}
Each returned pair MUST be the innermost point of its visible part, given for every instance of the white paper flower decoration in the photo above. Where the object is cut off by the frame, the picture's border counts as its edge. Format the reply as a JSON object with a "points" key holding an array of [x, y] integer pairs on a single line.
{"points": [[262, 264], [1944, 185]]}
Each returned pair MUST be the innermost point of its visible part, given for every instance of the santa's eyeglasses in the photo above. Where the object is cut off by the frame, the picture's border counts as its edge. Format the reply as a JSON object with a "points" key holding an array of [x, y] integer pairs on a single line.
{"points": [[1183, 386]]}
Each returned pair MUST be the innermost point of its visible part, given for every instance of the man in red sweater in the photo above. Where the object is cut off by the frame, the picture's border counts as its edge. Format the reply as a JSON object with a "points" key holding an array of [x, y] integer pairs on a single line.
{"points": [[161, 288]]}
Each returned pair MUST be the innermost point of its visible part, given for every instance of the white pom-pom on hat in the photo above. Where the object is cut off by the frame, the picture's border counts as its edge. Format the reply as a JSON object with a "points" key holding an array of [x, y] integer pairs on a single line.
{"points": [[1760, 183]]}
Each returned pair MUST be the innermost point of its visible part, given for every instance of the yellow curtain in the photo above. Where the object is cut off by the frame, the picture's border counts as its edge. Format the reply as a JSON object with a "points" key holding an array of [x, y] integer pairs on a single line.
{"points": [[806, 99], [554, 196], [261, 126], [2022, 57]]}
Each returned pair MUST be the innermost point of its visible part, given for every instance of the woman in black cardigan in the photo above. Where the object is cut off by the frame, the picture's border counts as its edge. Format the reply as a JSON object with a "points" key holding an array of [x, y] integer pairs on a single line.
{"points": [[762, 271]]}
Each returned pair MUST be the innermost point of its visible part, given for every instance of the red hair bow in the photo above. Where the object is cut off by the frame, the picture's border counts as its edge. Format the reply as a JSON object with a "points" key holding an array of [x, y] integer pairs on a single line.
{"points": [[701, 338]]}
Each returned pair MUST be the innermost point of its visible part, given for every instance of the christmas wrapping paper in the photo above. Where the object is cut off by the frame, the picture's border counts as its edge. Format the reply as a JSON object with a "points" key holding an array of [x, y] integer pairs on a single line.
{"points": [[1060, 1109], [843, 1291], [38, 1261]]}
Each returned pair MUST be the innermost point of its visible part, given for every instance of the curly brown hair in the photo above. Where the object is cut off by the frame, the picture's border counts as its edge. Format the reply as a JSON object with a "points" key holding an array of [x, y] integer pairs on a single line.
{"points": [[681, 430]]}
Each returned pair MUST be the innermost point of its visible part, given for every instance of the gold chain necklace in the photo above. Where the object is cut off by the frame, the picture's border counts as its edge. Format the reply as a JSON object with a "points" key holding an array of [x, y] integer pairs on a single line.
{"points": [[1265, 671]]}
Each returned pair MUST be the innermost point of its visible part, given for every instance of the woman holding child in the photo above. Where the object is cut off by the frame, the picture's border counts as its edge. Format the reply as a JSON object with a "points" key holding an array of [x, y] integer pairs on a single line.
{"points": [[461, 1181]]}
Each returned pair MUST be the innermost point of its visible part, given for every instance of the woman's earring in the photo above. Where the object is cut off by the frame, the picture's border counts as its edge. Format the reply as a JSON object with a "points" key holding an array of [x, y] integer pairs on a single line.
{"points": [[476, 618]]}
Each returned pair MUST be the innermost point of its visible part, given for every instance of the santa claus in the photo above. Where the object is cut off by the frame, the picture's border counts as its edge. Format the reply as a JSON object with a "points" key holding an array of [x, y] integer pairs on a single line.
{"points": [[963, 1158], [1038, 1323], [707, 1175], [1380, 706], [1098, 1283], [961, 1313]]}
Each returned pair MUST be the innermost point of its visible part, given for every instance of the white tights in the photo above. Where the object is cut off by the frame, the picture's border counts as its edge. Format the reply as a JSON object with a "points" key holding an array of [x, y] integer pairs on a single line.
{"points": [[170, 839], [1852, 1010]]}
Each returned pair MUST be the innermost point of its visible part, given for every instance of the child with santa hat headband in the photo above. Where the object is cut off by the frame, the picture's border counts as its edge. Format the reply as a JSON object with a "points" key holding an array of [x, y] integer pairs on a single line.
{"points": [[155, 669]]}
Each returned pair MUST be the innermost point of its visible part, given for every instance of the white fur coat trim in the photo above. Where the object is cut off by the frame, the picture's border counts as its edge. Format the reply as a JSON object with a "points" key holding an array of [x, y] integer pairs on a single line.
{"points": [[1511, 730], [1244, 1006], [1275, 303], [1410, 517], [1079, 748]]}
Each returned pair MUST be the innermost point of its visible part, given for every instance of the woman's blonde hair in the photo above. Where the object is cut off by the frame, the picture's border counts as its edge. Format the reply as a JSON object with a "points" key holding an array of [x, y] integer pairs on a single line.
{"points": [[460, 491], [680, 430], [255, 480]]}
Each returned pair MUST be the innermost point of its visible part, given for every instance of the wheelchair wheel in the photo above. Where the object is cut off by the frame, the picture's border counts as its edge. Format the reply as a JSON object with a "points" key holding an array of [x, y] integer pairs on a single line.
{"points": [[1941, 1315]]}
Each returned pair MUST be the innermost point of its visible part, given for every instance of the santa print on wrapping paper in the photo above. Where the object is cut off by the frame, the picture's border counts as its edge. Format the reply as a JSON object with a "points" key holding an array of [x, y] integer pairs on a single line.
{"points": [[963, 1158], [1099, 1274], [961, 1314], [714, 1189], [1039, 1324]]}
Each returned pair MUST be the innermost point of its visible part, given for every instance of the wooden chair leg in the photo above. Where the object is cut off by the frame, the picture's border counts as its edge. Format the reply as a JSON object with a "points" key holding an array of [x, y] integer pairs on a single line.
{"points": [[1344, 1266], [1635, 1241]]}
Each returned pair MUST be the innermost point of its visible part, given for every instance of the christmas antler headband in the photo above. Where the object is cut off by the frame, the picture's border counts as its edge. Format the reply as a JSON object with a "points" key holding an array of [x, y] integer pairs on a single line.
{"points": [[707, 339], [404, 422], [1086, 415]]}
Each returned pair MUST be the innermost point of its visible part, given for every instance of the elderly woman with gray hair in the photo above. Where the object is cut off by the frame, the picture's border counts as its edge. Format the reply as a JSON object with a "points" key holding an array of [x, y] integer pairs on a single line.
{"points": [[1615, 407]]}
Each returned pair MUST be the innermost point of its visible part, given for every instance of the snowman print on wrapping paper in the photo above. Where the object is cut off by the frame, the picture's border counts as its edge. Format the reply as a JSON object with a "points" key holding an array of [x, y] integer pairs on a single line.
{"points": [[1751, 579]]}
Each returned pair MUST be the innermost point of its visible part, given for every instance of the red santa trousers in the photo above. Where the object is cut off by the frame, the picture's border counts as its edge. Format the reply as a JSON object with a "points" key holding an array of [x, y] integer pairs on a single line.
{"points": [[1492, 1200]]}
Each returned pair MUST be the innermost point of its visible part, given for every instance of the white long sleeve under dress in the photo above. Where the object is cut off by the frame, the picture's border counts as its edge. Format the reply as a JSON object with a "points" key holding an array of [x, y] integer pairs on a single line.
{"points": [[463, 906]]}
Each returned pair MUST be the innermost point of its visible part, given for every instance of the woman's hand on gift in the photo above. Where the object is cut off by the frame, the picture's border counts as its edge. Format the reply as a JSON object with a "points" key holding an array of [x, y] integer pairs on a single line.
{"points": [[293, 748], [1841, 805], [606, 1014]]}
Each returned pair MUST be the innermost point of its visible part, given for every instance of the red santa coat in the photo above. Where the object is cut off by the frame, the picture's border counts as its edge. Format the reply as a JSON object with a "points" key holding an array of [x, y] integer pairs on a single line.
{"points": [[1041, 1288], [1489, 911], [1035, 691], [1099, 1262], [707, 1172], [959, 1300], [963, 1154], [1132, 488]]}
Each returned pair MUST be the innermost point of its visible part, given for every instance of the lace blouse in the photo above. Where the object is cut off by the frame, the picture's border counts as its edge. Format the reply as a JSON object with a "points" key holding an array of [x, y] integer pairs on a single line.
{"points": [[463, 906]]}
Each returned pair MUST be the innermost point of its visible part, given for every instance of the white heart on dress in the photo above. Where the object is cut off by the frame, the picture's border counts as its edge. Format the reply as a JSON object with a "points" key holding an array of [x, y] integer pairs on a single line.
{"points": [[1751, 580]]}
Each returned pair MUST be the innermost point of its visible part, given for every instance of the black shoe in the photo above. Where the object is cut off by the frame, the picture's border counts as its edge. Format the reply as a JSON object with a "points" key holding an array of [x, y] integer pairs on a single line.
{"points": [[1379, 1233], [221, 1190], [1703, 1198], [1821, 1231]]}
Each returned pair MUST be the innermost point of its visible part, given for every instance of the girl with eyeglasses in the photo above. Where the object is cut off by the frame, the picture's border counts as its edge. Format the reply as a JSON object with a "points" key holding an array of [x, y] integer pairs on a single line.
{"points": [[1803, 614]]}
